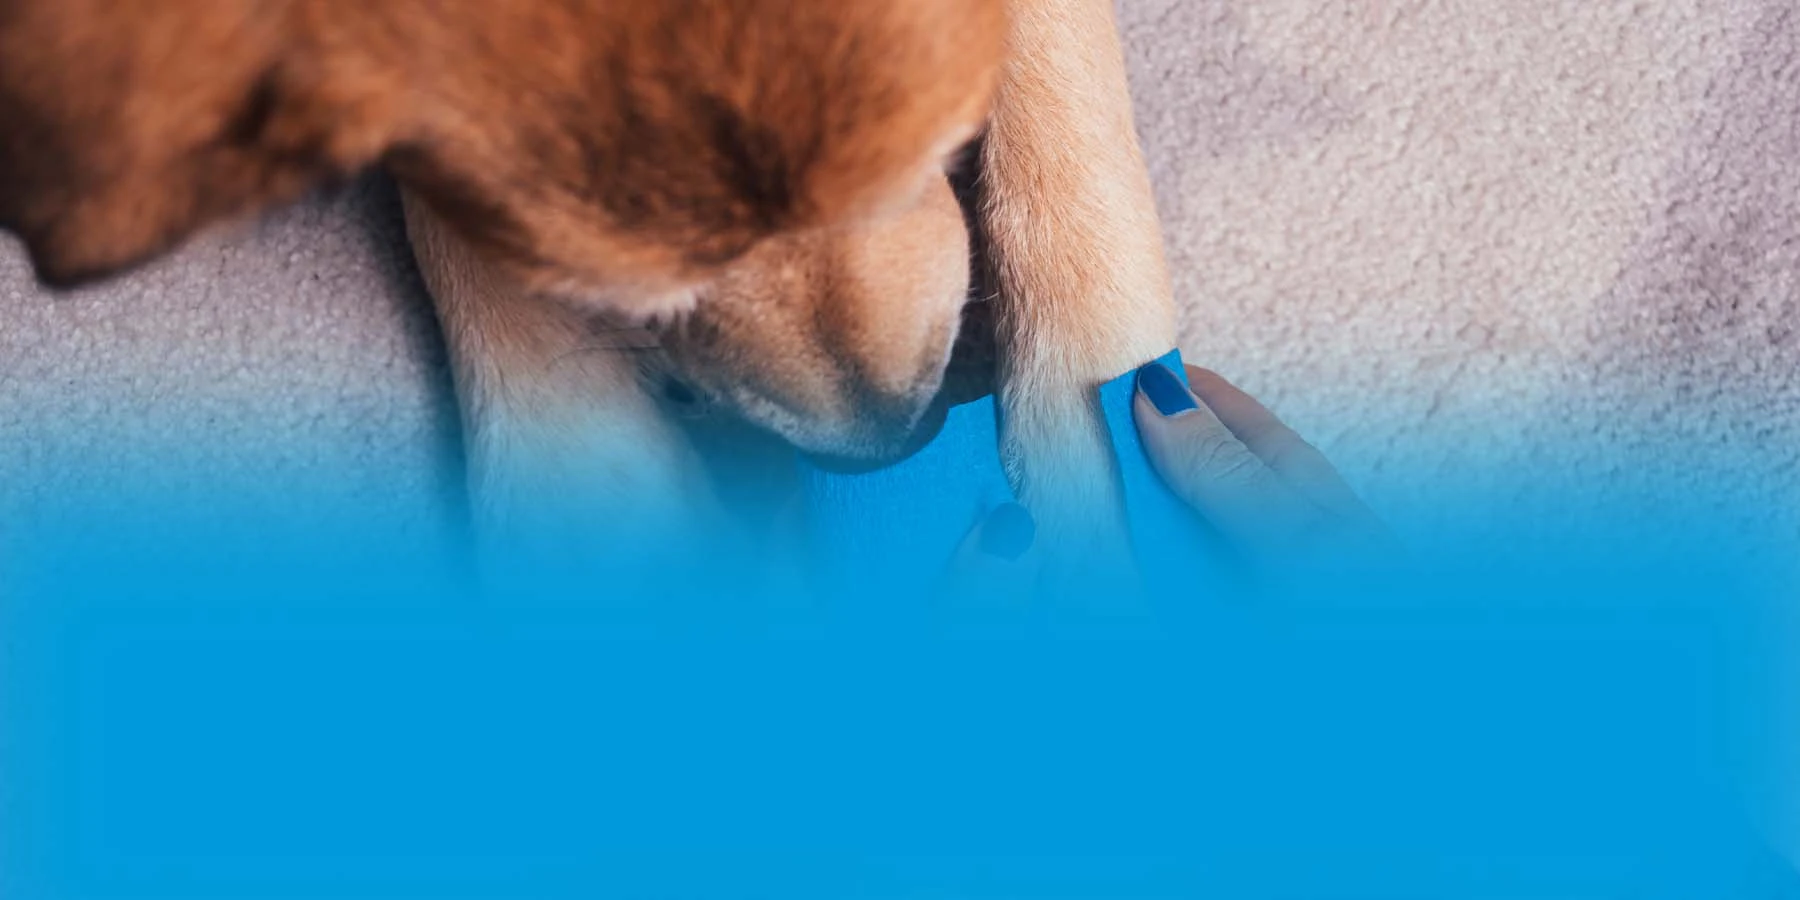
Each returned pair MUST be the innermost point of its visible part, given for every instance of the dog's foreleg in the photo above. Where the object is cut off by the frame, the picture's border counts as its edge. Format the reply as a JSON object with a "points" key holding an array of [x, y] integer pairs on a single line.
{"points": [[1084, 295], [570, 460]]}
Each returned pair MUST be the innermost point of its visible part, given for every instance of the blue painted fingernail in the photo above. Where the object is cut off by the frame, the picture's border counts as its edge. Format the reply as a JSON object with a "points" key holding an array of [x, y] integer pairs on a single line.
{"points": [[1008, 531], [1165, 390]]}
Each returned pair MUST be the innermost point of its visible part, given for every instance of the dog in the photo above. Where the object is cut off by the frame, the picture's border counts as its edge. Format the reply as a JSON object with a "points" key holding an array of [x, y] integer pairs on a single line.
{"points": [[624, 208]]}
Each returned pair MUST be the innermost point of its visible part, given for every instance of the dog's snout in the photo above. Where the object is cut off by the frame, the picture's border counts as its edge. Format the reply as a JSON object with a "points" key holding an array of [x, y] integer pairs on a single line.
{"points": [[887, 428], [892, 420], [838, 340]]}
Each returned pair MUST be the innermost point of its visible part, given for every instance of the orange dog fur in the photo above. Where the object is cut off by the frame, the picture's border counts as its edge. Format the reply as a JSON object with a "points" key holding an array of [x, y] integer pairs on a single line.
{"points": [[745, 194]]}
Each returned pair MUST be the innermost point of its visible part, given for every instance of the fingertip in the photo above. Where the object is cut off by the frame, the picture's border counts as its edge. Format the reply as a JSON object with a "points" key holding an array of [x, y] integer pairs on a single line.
{"points": [[1167, 395], [1142, 409], [1158, 391], [1156, 430]]}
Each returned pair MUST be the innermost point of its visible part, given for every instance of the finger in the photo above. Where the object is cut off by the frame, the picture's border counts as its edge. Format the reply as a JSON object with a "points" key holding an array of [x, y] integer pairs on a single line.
{"points": [[995, 565], [1278, 446], [1205, 464]]}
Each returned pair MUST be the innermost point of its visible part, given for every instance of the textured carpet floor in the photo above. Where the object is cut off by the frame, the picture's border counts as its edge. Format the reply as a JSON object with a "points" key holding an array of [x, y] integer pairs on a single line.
{"points": [[1530, 252]]}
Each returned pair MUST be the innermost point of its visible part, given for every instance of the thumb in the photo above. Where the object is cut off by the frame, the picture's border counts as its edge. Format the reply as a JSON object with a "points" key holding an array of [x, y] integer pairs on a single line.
{"points": [[1212, 470]]}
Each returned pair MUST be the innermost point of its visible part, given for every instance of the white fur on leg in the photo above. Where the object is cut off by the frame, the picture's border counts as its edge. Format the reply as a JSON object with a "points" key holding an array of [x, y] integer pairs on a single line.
{"points": [[1068, 210], [573, 468]]}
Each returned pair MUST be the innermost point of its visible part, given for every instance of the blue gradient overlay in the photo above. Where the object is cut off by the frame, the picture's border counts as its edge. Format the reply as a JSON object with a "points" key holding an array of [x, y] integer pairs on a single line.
{"points": [[198, 703]]}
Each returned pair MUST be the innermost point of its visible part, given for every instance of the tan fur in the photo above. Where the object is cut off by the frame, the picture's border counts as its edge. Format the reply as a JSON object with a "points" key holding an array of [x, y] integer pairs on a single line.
{"points": [[561, 439], [835, 339], [1084, 294], [736, 197], [613, 149], [803, 335]]}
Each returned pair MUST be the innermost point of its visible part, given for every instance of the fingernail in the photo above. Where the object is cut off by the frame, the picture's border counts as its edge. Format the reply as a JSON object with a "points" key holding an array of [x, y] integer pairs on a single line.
{"points": [[1008, 531], [1165, 390]]}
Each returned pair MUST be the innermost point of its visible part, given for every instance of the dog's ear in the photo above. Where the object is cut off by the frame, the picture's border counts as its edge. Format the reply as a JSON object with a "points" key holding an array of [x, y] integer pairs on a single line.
{"points": [[125, 125], [581, 144]]}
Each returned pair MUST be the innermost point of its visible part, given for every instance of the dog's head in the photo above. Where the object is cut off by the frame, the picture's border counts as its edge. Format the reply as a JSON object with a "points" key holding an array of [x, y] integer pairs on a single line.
{"points": [[618, 154], [625, 146]]}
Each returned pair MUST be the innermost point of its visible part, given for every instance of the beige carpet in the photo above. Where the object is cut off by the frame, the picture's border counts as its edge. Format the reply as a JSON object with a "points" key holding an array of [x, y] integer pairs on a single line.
{"points": [[1544, 249], [1537, 250]]}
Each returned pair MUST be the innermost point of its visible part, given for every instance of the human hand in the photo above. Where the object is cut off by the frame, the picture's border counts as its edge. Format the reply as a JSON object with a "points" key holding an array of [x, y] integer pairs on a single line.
{"points": [[1274, 497], [1271, 494]]}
